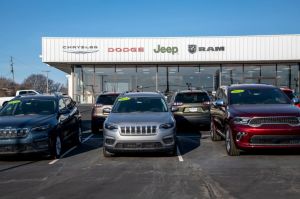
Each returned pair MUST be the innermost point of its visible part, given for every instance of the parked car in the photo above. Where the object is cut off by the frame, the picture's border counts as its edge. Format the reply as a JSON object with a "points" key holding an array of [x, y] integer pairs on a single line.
{"points": [[39, 124], [290, 93], [139, 121], [254, 116], [4, 100], [191, 108], [104, 101]]}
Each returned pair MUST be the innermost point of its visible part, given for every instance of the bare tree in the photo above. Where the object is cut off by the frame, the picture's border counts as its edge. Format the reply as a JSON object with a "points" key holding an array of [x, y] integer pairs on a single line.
{"points": [[38, 82], [7, 87]]}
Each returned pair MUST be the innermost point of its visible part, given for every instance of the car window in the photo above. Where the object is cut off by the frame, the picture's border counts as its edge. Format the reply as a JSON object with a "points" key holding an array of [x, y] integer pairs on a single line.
{"points": [[29, 106], [258, 96], [22, 92], [197, 97], [107, 99], [140, 104], [31, 93]]}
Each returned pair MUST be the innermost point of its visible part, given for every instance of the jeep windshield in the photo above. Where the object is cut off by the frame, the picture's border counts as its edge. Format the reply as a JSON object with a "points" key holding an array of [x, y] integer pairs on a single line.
{"points": [[27, 107], [193, 97], [139, 104], [107, 99], [257, 96]]}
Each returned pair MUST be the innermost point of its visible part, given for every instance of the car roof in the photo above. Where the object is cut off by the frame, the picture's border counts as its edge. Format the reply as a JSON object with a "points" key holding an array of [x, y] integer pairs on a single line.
{"points": [[245, 86], [286, 89], [143, 94], [38, 96], [192, 91], [110, 93]]}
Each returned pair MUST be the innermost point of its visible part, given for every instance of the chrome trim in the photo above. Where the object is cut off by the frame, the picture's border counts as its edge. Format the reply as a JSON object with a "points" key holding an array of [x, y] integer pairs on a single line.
{"points": [[292, 119]]}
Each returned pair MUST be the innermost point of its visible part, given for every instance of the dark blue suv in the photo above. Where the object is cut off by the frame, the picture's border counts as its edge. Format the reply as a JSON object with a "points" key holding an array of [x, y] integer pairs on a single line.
{"points": [[39, 124]]}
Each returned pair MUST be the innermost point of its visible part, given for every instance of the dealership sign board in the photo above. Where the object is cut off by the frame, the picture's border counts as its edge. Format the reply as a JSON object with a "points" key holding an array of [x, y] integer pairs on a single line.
{"points": [[171, 49]]}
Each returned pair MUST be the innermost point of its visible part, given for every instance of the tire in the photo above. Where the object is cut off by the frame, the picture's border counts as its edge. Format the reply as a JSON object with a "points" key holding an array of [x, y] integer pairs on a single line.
{"points": [[213, 133], [173, 152], [106, 153], [229, 143], [95, 129], [78, 136], [56, 147]]}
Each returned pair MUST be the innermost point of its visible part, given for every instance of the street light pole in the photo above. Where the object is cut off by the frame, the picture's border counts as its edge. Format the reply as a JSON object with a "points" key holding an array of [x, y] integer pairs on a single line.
{"points": [[46, 71]]}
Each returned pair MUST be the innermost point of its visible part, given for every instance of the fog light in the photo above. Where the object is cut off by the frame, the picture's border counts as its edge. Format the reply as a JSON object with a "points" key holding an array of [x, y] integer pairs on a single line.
{"points": [[109, 141], [168, 140], [240, 135]]}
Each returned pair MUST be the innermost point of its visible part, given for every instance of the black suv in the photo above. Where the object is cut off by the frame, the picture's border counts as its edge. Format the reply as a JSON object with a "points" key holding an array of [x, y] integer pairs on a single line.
{"points": [[39, 123], [191, 107]]}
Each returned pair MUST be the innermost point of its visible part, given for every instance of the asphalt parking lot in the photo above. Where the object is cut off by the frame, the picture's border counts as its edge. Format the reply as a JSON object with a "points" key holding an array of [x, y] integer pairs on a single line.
{"points": [[201, 169]]}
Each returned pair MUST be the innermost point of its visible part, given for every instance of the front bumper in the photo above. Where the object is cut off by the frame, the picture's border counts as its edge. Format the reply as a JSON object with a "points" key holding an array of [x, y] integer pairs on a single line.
{"points": [[279, 136], [37, 143], [163, 141]]}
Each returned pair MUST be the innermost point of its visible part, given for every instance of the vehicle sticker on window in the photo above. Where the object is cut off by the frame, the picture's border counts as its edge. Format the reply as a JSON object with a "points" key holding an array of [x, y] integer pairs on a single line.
{"points": [[237, 91], [14, 102], [123, 99]]}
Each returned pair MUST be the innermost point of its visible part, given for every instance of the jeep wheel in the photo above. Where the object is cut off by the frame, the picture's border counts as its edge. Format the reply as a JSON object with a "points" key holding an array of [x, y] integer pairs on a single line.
{"points": [[107, 153], [78, 136], [213, 133], [230, 145], [56, 147], [173, 152]]}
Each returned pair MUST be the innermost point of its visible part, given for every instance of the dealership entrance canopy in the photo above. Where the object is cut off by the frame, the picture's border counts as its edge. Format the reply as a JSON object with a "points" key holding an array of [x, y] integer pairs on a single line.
{"points": [[169, 64]]}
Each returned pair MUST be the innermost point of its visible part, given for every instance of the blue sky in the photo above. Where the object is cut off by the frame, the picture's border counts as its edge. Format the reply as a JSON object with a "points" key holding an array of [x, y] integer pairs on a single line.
{"points": [[23, 23]]}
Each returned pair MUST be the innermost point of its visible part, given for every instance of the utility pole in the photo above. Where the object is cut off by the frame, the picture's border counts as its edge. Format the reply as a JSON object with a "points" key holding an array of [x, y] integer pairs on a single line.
{"points": [[46, 71], [12, 68]]}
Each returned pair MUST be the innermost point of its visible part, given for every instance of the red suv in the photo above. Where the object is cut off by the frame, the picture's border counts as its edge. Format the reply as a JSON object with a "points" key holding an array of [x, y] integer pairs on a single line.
{"points": [[254, 116]]}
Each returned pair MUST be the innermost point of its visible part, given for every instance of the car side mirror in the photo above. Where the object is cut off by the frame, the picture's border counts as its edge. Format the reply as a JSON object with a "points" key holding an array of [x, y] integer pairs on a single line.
{"points": [[107, 110], [219, 103], [174, 108], [295, 101]]}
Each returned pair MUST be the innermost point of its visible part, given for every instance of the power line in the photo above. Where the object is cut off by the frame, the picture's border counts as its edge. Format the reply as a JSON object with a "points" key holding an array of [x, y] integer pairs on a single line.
{"points": [[46, 71]]}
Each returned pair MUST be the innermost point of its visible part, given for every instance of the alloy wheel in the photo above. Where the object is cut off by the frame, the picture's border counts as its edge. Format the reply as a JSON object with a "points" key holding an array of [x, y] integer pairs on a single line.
{"points": [[58, 146]]}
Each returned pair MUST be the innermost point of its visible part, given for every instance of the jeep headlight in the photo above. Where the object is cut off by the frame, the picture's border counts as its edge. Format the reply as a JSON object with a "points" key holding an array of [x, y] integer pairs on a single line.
{"points": [[241, 120], [110, 126], [166, 125], [41, 127]]}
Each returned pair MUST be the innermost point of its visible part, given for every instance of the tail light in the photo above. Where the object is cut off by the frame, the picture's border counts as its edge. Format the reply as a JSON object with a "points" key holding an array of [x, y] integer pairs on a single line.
{"points": [[206, 103], [177, 104], [98, 105]]}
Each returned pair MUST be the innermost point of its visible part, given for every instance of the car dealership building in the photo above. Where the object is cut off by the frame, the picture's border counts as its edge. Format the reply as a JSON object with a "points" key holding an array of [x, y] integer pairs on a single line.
{"points": [[170, 64]]}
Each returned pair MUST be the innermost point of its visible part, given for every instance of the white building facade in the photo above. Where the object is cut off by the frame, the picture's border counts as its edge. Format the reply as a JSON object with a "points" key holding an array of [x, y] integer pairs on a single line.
{"points": [[170, 64]]}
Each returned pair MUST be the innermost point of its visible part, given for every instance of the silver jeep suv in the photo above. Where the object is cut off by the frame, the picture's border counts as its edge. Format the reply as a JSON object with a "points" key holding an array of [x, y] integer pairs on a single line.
{"points": [[139, 121]]}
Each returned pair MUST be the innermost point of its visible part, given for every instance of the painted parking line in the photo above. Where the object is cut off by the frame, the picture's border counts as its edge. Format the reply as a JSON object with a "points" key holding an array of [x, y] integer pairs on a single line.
{"points": [[179, 155], [71, 149], [87, 131], [86, 139]]}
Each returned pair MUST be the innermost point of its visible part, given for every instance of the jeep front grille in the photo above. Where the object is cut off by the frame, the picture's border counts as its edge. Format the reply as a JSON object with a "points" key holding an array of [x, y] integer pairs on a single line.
{"points": [[13, 132], [138, 130], [142, 145], [292, 121]]}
